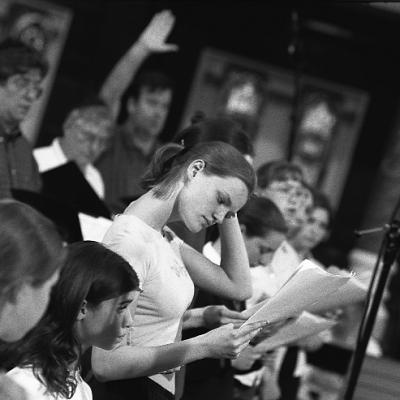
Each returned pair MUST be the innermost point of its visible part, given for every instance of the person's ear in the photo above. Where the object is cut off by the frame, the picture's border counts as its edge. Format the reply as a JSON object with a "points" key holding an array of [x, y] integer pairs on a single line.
{"points": [[82, 312], [195, 167]]}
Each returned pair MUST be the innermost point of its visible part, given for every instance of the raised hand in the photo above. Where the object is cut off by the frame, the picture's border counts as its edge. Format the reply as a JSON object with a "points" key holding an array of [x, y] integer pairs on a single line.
{"points": [[228, 342], [157, 31], [214, 316]]}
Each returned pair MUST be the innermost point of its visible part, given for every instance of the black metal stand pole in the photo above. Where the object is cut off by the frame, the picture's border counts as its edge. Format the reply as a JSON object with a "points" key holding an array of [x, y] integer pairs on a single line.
{"points": [[391, 252], [294, 51]]}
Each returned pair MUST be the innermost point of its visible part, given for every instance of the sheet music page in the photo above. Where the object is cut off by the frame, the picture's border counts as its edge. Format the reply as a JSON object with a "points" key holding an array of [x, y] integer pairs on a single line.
{"points": [[305, 325], [307, 285], [351, 292], [93, 228]]}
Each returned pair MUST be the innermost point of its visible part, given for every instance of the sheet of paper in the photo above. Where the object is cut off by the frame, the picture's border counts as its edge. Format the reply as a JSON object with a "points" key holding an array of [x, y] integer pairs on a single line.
{"points": [[93, 228], [307, 285], [351, 292], [305, 325]]}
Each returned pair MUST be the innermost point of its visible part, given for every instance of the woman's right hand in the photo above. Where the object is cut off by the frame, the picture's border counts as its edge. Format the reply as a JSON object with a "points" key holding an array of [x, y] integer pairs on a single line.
{"points": [[228, 342]]}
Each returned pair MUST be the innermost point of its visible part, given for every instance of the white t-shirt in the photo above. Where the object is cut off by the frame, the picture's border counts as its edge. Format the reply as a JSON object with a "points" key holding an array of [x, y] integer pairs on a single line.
{"points": [[52, 156], [167, 287], [35, 390]]}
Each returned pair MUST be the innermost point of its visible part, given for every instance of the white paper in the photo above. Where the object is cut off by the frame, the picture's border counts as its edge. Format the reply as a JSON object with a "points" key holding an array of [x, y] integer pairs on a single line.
{"points": [[307, 285], [93, 228], [351, 292], [305, 325]]}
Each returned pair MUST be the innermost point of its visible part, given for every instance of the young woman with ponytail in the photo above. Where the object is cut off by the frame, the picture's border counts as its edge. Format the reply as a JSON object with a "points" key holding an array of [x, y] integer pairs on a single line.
{"points": [[201, 185]]}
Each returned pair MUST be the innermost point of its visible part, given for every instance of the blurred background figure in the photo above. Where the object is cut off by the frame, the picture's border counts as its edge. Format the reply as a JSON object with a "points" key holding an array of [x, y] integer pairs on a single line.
{"points": [[87, 133], [22, 71], [140, 105]]}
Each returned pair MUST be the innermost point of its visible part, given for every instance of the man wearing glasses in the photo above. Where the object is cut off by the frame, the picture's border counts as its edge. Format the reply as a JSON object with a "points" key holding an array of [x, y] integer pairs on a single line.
{"points": [[22, 71]]}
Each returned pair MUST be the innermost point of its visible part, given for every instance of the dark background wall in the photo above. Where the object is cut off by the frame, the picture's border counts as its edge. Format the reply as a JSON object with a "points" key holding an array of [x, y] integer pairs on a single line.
{"points": [[352, 44]]}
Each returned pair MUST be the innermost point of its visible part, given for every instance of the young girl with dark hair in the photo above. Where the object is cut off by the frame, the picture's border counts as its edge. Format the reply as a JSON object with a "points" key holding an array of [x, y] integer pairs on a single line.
{"points": [[200, 186], [88, 307]]}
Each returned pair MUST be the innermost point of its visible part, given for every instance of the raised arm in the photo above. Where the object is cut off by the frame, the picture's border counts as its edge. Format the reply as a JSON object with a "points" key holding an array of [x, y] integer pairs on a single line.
{"points": [[233, 279], [130, 362], [152, 40]]}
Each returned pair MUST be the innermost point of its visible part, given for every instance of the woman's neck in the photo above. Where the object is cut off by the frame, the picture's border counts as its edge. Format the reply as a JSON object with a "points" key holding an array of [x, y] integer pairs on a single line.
{"points": [[153, 211]]}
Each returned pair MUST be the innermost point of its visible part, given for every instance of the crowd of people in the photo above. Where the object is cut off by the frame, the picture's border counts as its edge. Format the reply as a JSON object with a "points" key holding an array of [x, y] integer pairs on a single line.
{"points": [[197, 236]]}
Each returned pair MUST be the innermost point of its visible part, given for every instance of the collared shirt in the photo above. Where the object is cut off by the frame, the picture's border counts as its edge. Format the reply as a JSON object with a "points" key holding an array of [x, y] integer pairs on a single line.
{"points": [[18, 169], [52, 156], [122, 167]]}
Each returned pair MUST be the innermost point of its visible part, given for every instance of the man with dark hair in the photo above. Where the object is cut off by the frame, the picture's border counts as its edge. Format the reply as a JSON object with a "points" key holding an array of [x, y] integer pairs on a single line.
{"points": [[141, 108], [22, 70]]}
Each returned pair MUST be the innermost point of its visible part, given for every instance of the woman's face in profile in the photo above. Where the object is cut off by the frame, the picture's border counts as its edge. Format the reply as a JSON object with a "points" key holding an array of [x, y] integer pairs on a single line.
{"points": [[22, 310], [107, 324], [206, 199]]}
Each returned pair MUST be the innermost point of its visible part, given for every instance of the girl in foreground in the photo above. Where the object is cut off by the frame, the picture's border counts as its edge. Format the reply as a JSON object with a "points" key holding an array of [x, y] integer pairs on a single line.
{"points": [[200, 186], [31, 253], [88, 306]]}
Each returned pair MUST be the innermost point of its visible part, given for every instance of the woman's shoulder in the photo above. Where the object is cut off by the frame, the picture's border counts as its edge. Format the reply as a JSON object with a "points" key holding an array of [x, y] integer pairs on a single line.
{"points": [[128, 226]]}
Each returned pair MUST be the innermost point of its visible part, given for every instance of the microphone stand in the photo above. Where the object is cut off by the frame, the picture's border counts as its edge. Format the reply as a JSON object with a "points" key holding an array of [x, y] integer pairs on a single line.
{"points": [[294, 50], [390, 250]]}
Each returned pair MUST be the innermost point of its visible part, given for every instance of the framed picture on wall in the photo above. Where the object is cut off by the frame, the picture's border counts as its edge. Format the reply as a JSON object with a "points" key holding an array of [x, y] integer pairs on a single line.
{"points": [[261, 97], [44, 26]]}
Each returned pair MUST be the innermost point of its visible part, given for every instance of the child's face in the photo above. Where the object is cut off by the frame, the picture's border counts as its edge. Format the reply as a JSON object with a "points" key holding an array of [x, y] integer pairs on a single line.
{"points": [[314, 231], [260, 249], [293, 199]]}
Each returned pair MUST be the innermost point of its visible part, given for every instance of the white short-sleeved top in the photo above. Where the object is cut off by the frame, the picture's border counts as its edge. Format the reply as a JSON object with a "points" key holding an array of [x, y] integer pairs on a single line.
{"points": [[167, 287], [35, 390]]}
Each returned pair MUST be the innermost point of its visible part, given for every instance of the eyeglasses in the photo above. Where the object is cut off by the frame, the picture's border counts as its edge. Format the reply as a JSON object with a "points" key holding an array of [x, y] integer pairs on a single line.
{"points": [[23, 83]]}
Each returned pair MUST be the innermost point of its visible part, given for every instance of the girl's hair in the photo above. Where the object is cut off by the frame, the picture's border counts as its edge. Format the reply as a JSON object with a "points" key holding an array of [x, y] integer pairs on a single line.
{"points": [[170, 162], [222, 129], [31, 249], [278, 170], [260, 216], [93, 273]]}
